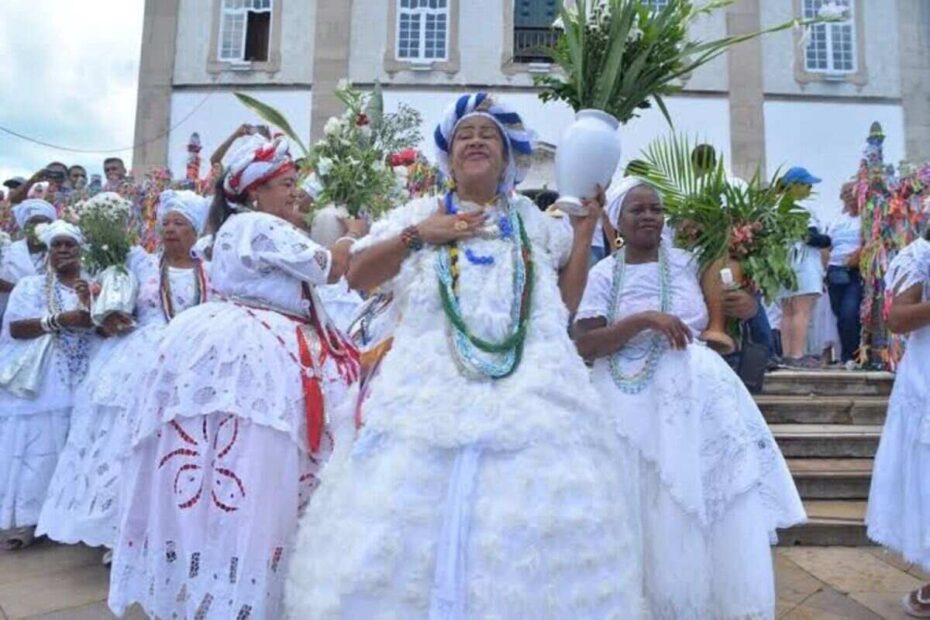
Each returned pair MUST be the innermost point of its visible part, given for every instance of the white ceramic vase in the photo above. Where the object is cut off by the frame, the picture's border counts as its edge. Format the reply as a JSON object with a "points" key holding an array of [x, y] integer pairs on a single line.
{"points": [[328, 225], [587, 156]]}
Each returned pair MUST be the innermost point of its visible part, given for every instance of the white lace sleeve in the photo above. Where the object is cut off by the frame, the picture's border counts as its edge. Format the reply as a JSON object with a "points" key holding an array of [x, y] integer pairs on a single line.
{"points": [[271, 242], [596, 299], [393, 223], [140, 262], [27, 301], [910, 267]]}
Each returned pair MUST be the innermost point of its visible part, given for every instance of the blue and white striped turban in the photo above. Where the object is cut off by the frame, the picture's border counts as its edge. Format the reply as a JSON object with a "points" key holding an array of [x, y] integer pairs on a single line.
{"points": [[518, 145]]}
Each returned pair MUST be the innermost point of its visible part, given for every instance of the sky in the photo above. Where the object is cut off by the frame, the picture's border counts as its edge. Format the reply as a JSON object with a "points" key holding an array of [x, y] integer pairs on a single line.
{"points": [[69, 77]]}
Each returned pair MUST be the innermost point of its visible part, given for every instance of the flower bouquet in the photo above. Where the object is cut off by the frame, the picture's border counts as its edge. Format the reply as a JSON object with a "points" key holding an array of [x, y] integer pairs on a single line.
{"points": [[105, 221], [740, 232], [351, 162], [617, 58]]}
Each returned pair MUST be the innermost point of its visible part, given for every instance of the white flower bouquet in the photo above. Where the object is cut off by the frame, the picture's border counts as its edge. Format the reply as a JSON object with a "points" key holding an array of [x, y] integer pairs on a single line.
{"points": [[105, 221]]}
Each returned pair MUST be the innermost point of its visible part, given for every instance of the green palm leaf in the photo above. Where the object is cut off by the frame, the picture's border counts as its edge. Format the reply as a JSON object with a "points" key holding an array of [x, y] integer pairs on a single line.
{"points": [[272, 117]]}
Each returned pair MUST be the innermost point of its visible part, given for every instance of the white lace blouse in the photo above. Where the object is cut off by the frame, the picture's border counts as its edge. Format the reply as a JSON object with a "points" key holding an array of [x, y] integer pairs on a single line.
{"points": [[260, 257]]}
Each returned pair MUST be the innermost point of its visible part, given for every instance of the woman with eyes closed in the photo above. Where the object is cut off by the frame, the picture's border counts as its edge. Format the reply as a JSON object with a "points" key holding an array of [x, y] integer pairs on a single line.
{"points": [[233, 421], [483, 483], [713, 484]]}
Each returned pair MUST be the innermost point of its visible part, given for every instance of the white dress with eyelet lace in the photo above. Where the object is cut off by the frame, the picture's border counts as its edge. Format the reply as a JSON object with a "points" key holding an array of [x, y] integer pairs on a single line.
{"points": [[33, 431], [82, 504], [898, 516], [470, 498], [220, 469], [713, 483]]}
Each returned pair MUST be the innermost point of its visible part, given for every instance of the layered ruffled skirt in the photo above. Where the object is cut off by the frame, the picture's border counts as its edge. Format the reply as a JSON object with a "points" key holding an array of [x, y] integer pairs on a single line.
{"points": [[219, 470]]}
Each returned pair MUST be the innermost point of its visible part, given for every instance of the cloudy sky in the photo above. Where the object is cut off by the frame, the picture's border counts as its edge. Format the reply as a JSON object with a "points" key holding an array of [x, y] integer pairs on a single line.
{"points": [[68, 77]]}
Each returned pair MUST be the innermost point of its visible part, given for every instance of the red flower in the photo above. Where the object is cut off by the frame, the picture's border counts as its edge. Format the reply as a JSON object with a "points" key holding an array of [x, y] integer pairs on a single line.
{"points": [[407, 157], [361, 120]]}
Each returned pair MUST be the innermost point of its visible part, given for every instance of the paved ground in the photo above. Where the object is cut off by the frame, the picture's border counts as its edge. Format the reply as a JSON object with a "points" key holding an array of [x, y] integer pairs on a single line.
{"points": [[53, 582]]}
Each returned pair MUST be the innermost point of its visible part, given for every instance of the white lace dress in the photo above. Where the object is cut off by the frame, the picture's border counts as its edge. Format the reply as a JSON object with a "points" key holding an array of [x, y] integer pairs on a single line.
{"points": [[83, 498], [33, 431], [220, 468], [713, 484], [470, 498], [898, 516]]}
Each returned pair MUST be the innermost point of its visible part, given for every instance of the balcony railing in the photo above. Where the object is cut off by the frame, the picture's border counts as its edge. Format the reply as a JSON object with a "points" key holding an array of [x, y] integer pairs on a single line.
{"points": [[533, 44]]}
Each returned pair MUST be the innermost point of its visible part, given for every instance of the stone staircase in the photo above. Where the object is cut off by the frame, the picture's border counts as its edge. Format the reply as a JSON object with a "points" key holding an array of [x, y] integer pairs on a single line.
{"points": [[828, 424]]}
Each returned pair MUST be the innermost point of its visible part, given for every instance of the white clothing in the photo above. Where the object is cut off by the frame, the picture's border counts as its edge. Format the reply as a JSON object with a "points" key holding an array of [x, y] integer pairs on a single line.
{"points": [[17, 263], [898, 516], [33, 430], [846, 237], [220, 467], [472, 498], [714, 486], [83, 497], [808, 268], [341, 303]]}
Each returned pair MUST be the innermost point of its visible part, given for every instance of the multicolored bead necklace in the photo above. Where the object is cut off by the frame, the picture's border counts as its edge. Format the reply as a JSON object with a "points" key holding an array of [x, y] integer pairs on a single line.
{"points": [[164, 287], [465, 345]]}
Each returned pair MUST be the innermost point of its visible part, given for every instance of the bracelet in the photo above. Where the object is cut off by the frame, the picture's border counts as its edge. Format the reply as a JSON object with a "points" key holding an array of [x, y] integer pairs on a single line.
{"points": [[412, 239], [351, 240], [44, 324], [54, 322]]}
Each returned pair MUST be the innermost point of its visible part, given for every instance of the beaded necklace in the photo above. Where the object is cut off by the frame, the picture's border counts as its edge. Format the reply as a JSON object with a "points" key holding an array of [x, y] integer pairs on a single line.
{"points": [[465, 345], [164, 287], [74, 346], [637, 382]]}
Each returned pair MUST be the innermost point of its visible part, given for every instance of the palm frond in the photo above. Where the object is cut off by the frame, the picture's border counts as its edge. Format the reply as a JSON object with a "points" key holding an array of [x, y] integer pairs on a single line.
{"points": [[272, 117]]}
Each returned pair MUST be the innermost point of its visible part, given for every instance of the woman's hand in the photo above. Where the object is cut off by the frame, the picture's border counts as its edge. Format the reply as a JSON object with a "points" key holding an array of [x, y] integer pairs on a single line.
{"points": [[740, 305], [75, 319], [678, 334], [82, 288], [440, 228], [356, 227], [585, 225], [116, 324]]}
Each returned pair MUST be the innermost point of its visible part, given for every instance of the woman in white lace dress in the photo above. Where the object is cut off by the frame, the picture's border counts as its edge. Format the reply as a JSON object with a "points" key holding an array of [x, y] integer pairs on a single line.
{"points": [[713, 484], [483, 483], [899, 500], [34, 416], [83, 498], [231, 426]]}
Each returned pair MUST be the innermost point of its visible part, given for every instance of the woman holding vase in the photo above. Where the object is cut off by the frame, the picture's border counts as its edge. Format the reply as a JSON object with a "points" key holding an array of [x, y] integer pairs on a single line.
{"points": [[713, 484], [83, 499], [232, 421], [482, 483], [34, 418]]}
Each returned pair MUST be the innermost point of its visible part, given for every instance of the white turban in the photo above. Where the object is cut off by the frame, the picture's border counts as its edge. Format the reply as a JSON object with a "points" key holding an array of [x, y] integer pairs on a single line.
{"points": [[617, 193], [34, 207], [189, 204], [518, 140], [59, 228], [255, 161]]}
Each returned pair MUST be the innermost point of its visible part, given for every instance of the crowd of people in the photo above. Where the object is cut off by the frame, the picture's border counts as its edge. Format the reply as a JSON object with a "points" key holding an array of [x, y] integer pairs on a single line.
{"points": [[447, 413]]}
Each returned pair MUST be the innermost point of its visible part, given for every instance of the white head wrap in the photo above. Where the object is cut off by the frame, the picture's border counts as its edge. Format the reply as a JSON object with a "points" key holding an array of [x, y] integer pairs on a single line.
{"points": [[192, 206], [255, 161], [28, 209], [617, 193], [59, 228], [518, 140]]}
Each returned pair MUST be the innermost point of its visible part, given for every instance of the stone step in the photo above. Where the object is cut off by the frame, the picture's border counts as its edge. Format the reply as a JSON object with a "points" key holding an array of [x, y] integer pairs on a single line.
{"points": [[827, 440], [828, 383], [832, 478], [829, 523], [794, 409]]}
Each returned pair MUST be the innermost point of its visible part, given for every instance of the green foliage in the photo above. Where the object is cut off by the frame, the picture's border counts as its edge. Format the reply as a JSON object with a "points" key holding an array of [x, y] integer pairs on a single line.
{"points": [[619, 56], [714, 216], [271, 116]]}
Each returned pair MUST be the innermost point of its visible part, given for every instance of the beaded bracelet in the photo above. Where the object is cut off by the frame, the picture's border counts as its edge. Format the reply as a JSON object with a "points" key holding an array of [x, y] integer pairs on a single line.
{"points": [[412, 239]]}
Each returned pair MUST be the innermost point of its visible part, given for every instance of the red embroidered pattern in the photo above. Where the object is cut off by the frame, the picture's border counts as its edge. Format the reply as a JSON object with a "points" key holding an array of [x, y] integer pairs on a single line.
{"points": [[201, 456]]}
